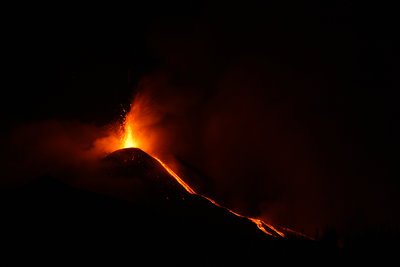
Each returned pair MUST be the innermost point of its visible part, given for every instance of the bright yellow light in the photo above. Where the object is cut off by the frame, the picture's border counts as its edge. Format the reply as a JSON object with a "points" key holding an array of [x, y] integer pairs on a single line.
{"points": [[128, 137]]}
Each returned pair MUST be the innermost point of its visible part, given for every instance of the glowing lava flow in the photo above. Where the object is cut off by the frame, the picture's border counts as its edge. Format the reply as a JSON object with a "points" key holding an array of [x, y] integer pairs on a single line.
{"points": [[177, 178], [127, 142], [260, 224]]}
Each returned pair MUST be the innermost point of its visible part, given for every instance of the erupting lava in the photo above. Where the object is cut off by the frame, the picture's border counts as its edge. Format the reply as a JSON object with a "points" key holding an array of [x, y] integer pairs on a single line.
{"points": [[128, 138], [131, 137]]}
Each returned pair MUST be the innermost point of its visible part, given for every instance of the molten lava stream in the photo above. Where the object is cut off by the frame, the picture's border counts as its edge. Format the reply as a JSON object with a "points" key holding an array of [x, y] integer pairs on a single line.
{"points": [[260, 224]]}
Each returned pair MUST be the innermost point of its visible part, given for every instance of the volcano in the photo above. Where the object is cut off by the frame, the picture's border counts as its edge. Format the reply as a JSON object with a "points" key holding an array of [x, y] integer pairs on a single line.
{"points": [[164, 223], [158, 178]]}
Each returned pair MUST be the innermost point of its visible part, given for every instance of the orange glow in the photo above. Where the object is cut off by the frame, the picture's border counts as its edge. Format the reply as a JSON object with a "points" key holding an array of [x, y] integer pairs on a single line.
{"points": [[133, 129], [177, 178], [138, 126], [127, 139]]}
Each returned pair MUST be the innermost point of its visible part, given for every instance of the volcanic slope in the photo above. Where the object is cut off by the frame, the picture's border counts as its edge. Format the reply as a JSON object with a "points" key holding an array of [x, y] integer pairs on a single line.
{"points": [[162, 224]]}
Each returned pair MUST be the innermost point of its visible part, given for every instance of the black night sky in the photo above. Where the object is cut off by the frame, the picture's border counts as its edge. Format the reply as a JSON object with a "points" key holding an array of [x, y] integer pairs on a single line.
{"points": [[284, 110]]}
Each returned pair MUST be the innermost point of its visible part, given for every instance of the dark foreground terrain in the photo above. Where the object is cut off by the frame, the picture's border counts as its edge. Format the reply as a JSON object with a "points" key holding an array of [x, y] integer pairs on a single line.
{"points": [[49, 219]]}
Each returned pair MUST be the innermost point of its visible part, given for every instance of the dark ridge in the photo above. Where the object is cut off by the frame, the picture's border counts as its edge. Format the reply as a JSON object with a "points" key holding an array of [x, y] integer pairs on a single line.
{"points": [[50, 219]]}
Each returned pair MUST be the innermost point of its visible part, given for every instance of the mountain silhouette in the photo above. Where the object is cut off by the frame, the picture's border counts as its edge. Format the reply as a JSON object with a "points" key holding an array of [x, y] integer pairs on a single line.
{"points": [[164, 224]]}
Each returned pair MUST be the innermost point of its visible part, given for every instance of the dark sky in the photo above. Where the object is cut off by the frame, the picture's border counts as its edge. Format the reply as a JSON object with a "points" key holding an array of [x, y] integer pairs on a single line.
{"points": [[289, 109]]}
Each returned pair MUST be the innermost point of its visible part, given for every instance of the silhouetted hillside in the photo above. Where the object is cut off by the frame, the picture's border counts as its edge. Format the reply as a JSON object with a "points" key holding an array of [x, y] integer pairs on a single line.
{"points": [[49, 218]]}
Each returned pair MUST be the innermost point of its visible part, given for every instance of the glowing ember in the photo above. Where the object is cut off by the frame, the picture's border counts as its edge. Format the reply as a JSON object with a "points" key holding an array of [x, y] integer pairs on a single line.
{"points": [[129, 140]]}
